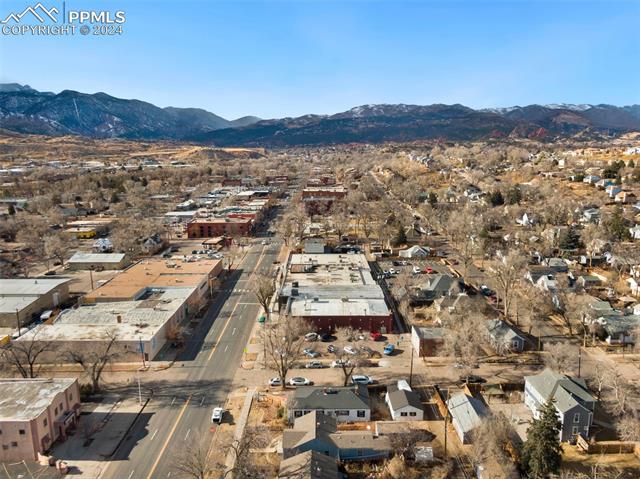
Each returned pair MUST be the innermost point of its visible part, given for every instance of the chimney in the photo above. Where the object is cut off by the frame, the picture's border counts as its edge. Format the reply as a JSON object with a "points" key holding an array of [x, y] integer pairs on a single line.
{"points": [[119, 319]]}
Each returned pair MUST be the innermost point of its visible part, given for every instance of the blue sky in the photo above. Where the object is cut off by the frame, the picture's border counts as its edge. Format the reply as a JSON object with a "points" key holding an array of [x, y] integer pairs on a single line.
{"points": [[288, 58]]}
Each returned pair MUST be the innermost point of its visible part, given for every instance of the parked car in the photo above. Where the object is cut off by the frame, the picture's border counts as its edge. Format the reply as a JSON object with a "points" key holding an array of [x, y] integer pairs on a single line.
{"points": [[314, 365], [472, 379], [311, 337], [325, 337], [331, 348], [389, 349], [310, 353], [485, 290], [428, 270], [361, 379], [376, 336], [350, 350], [217, 415], [339, 363], [416, 270], [275, 382], [299, 381]]}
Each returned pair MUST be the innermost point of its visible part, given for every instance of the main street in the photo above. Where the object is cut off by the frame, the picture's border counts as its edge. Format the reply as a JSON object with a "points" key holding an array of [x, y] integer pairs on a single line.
{"points": [[179, 413]]}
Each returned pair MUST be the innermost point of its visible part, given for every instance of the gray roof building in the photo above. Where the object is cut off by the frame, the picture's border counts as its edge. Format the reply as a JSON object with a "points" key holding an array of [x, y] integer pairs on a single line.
{"points": [[564, 390], [570, 397], [310, 465], [317, 432], [312, 398], [467, 413]]}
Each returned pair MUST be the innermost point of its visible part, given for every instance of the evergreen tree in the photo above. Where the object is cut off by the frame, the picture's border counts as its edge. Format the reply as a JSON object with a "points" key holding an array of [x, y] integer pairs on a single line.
{"points": [[616, 226], [542, 452], [433, 199], [12, 209], [496, 198], [514, 196], [401, 236], [570, 240]]}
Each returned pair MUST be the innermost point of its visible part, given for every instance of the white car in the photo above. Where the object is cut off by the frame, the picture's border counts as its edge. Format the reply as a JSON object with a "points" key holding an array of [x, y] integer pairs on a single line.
{"points": [[361, 379], [310, 353], [275, 382], [340, 363], [350, 350], [314, 365], [299, 381], [217, 415], [311, 337], [416, 270]]}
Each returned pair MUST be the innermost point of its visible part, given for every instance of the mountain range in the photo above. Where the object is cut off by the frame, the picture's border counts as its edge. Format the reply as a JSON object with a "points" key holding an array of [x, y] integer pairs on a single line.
{"points": [[25, 110]]}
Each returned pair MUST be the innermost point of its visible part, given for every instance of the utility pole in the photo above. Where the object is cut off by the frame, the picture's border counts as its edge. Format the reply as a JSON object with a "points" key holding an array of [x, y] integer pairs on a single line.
{"points": [[144, 364], [579, 359], [139, 392], [91, 278], [18, 320], [446, 420], [411, 369]]}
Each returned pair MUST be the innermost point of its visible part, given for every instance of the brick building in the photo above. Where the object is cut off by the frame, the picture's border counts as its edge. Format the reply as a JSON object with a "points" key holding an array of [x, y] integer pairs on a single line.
{"points": [[212, 227]]}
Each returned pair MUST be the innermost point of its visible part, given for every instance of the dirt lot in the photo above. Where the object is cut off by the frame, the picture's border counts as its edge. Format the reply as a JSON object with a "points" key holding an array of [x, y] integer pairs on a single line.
{"points": [[575, 460]]}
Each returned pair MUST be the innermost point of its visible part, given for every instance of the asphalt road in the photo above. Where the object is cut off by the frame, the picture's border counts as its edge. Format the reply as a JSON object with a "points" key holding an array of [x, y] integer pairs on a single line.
{"points": [[180, 411]]}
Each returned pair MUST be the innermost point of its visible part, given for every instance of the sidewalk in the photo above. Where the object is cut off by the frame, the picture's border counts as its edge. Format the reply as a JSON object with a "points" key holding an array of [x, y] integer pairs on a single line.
{"points": [[98, 435]]}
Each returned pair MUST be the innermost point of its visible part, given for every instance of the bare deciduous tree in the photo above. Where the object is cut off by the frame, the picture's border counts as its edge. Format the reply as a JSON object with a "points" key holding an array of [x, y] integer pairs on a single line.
{"points": [[23, 355], [93, 362], [265, 289], [193, 462], [562, 357], [283, 342], [508, 273], [244, 466], [464, 338]]}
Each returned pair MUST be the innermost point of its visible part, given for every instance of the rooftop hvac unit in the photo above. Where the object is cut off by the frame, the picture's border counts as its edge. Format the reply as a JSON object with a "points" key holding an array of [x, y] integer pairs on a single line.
{"points": [[294, 292]]}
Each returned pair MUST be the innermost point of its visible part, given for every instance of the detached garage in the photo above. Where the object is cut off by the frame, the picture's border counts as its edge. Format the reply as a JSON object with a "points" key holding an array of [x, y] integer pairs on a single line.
{"points": [[97, 261]]}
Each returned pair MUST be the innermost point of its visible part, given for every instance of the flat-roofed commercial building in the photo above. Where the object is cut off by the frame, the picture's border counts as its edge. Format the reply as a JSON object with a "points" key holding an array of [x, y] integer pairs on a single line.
{"points": [[35, 413], [211, 227], [334, 291], [96, 261], [22, 300], [149, 274], [141, 327]]}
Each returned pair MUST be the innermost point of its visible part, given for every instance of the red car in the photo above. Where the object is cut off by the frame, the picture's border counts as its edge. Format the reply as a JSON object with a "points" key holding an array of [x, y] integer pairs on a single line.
{"points": [[428, 270], [375, 336]]}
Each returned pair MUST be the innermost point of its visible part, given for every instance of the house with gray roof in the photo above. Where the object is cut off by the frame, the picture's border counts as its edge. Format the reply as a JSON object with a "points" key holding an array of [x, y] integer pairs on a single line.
{"points": [[310, 465], [404, 404], [318, 432], [572, 400], [345, 404], [467, 414], [504, 337]]}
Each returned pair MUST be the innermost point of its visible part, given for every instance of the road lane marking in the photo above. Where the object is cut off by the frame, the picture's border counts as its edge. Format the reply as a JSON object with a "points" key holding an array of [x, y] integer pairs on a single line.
{"points": [[173, 401], [166, 442], [226, 347], [233, 332], [131, 474], [213, 349], [202, 400], [187, 435], [154, 434]]}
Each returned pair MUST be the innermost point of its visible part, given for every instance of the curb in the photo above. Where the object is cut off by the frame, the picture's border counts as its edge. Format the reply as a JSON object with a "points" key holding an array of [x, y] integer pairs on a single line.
{"points": [[126, 433]]}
